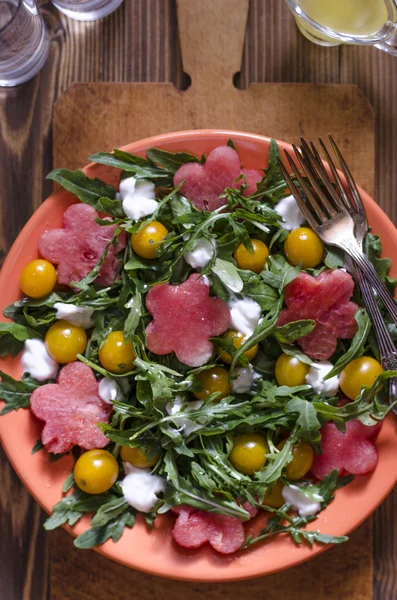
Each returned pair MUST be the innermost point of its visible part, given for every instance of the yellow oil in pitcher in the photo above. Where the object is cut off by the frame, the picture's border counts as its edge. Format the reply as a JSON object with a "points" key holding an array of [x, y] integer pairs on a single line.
{"points": [[356, 18]]}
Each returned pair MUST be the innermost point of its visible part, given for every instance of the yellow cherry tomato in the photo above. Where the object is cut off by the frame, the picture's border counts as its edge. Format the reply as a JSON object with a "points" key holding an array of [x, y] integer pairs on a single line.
{"points": [[65, 341], [138, 458], [96, 471], [273, 496], [252, 262], [302, 460], [115, 354], [214, 380], [248, 454], [238, 340], [290, 371], [148, 239], [304, 246], [361, 371], [38, 278]]}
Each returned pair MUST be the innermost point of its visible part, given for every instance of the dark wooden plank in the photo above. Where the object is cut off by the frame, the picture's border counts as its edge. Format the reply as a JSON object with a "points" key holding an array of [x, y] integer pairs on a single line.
{"points": [[139, 43], [24, 560]]}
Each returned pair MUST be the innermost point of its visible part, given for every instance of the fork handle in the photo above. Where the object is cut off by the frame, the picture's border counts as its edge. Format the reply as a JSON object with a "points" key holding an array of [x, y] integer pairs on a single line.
{"points": [[370, 273], [387, 349]]}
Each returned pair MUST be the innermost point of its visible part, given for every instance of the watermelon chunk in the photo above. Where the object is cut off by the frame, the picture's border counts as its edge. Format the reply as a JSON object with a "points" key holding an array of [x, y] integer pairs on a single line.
{"points": [[78, 246], [326, 300], [194, 528], [353, 451], [184, 318], [205, 183], [71, 410]]}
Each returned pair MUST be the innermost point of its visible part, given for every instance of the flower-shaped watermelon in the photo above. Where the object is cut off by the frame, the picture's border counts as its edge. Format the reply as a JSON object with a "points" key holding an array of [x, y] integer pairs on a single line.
{"points": [[326, 300], [78, 246], [184, 318], [205, 183], [193, 528], [353, 451], [71, 410]]}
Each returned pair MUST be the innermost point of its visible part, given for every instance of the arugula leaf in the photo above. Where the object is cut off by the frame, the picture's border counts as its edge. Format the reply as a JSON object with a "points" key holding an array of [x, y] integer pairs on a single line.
{"points": [[109, 511], [228, 274], [183, 491], [120, 159], [65, 511], [171, 161], [113, 529], [94, 192], [16, 394], [134, 316], [289, 333], [13, 336], [262, 330], [373, 249], [258, 290], [357, 346], [334, 257], [307, 423], [37, 447], [279, 272], [368, 407]]}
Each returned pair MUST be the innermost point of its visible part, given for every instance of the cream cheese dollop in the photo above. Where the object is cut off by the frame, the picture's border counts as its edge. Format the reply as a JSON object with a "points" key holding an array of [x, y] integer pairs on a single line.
{"points": [[77, 315], [138, 197], [36, 361], [295, 498], [202, 253], [291, 213], [140, 487], [245, 315], [315, 378]]}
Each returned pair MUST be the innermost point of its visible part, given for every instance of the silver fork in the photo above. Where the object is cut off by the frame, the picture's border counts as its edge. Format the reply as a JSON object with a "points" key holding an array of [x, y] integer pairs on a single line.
{"points": [[326, 211], [355, 207]]}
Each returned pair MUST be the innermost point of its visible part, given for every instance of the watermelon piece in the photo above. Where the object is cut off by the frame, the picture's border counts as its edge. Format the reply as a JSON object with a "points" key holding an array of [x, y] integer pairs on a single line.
{"points": [[78, 246], [194, 528], [353, 451], [253, 177], [203, 184], [184, 318], [71, 410], [326, 300]]}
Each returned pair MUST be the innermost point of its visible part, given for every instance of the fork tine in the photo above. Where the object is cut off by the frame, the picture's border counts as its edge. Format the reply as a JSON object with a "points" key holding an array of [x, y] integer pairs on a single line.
{"points": [[314, 176], [316, 158], [349, 178], [312, 200], [296, 194], [335, 174]]}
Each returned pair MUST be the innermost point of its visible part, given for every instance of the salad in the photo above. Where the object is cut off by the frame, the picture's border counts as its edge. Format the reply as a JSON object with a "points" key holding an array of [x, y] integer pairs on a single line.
{"points": [[199, 351]]}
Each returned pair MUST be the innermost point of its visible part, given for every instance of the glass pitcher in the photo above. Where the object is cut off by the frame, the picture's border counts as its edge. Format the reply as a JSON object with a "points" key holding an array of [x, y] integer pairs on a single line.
{"points": [[335, 22]]}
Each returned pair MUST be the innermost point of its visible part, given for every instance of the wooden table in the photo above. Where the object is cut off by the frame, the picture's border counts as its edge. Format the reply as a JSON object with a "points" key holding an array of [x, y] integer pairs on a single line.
{"points": [[140, 43]]}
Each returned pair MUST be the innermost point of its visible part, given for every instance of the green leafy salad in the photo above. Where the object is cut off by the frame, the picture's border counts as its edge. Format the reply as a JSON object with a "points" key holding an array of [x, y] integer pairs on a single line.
{"points": [[196, 358]]}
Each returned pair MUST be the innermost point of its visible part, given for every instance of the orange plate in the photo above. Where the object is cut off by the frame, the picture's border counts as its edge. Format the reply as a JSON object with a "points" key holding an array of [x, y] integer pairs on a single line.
{"points": [[155, 552]]}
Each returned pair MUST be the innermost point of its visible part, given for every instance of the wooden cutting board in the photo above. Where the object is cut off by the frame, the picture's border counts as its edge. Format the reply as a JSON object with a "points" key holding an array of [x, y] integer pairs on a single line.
{"points": [[96, 117]]}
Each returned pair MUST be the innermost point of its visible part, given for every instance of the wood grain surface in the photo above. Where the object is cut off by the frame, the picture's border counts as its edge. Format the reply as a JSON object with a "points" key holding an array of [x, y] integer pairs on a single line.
{"points": [[140, 43]]}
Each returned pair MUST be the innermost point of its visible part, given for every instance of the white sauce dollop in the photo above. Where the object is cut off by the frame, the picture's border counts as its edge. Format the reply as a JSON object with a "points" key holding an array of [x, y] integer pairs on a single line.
{"points": [[140, 487], [315, 378], [77, 315], [245, 315], [138, 197], [202, 253], [108, 390], [291, 213], [184, 424], [36, 361], [295, 498]]}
